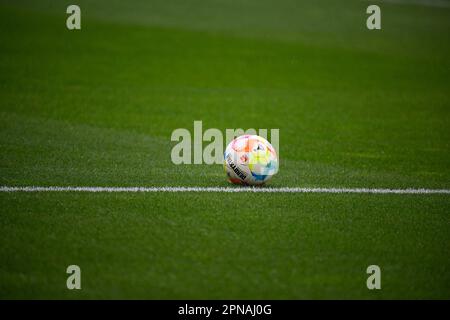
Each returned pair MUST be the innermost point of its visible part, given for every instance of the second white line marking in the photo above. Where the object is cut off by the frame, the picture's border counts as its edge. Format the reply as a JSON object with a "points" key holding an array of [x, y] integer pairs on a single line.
{"points": [[222, 189]]}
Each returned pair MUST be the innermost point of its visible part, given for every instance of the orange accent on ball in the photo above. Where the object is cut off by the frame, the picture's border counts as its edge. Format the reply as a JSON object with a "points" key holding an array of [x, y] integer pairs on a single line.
{"points": [[235, 181]]}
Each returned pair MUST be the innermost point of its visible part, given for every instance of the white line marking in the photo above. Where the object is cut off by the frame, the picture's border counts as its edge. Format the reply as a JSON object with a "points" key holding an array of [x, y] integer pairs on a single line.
{"points": [[222, 189]]}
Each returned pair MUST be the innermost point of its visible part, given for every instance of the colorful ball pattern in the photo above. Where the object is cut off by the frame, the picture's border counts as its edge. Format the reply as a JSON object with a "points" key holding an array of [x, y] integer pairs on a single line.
{"points": [[250, 160]]}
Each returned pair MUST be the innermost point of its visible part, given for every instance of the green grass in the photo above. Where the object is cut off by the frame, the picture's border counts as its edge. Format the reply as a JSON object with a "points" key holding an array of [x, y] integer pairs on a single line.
{"points": [[148, 246], [96, 107]]}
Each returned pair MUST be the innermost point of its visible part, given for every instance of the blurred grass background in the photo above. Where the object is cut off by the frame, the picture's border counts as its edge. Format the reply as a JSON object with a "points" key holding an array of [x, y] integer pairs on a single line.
{"points": [[355, 108]]}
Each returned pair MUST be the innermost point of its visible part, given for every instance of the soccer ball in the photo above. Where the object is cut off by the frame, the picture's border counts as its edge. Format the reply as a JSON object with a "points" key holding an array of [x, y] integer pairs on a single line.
{"points": [[250, 160]]}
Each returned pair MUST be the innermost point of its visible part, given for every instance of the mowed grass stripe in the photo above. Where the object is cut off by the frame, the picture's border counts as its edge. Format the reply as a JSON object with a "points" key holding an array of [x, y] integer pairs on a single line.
{"points": [[224, 189]]}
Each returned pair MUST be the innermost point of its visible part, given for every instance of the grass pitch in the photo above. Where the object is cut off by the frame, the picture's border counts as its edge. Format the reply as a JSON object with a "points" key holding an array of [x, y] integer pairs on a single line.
{"points": [[96, 107]]}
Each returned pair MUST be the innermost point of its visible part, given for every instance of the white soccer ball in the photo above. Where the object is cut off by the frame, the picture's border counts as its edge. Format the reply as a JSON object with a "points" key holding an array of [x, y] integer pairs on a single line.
{"points": [[250, 160]]}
